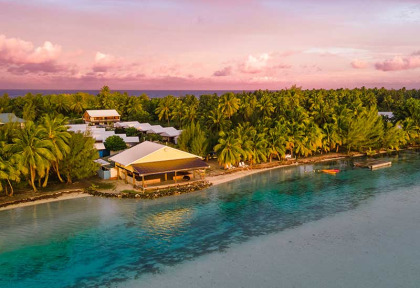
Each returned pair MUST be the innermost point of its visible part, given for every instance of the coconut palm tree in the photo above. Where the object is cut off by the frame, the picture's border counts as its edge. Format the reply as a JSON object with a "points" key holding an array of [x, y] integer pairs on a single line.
{"points": [[56, 132], [259, 148], [229, 104], [217, 121], [77, 103], [178, 113], [277, 141], [165, 107], [9, 171], [34, 151], [229, 149]]}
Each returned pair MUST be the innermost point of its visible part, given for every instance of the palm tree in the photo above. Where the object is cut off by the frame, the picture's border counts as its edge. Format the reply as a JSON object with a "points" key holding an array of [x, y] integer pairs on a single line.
{"points": [[229, 104], [266, 106], [259, 148], [34, 151], [217, 121], [331, 139], [248, 106], [78, 103], [178, 113], [229, 149], [277, 141], [57, 133], [165, 107], [244, 133], [9, 171]]}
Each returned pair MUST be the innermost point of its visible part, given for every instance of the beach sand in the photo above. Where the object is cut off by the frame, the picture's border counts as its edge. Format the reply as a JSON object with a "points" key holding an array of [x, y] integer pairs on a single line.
{"points": [[374, 245], [223, 178], [41, 201]]}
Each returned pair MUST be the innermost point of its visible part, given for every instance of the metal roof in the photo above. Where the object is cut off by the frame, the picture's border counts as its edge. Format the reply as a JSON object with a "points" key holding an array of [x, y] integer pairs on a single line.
{"points": [[101, 162], [99, 146], [155, 129], [103, 113], [10, 117], [134, 153], [144, 126], [127, 124], [386, 114], [170, 132], [169, 166]]}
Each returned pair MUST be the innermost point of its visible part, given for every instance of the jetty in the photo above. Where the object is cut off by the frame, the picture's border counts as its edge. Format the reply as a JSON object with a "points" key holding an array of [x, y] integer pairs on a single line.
{"points": [[373, 165]]}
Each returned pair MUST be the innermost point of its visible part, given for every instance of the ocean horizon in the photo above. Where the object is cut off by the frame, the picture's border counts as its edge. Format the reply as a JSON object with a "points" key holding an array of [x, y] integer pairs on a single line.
{"points": [[13, 93]]}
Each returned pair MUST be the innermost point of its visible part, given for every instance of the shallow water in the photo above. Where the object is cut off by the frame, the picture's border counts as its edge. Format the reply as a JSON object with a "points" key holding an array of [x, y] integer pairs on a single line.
{"points": [[92, 242]]}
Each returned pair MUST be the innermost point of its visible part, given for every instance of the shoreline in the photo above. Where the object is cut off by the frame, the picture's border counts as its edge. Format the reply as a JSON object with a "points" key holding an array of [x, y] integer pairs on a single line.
{"points": [[214, 180], [41, 199]]}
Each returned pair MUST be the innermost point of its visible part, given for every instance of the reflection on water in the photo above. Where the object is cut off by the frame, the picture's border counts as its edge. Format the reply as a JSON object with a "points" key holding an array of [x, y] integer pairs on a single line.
{"points": [[90, 242]]}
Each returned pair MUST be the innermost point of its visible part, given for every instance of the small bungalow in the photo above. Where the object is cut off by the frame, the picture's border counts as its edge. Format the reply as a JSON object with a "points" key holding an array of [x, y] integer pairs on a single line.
{"points": [[100, 135], [101, 117], [387, 115], [10, 118], [155, 129], [101, 149], [152, 163], [171, 134], [106, 171]]}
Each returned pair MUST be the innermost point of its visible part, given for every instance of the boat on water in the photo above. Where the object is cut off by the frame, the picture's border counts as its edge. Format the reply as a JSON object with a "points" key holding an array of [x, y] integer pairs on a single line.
{"points": [[330, 171]]}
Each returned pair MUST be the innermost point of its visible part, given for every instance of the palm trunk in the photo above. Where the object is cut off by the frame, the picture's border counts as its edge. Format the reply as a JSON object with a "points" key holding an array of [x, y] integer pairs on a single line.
{"points": [[46, 178], [11, 188], [33, 178], [68, 178], [57, 170]]}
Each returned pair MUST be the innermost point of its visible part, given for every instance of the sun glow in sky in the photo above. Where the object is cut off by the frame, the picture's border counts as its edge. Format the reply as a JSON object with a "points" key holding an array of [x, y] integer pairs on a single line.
{"points": [[209, 44]]}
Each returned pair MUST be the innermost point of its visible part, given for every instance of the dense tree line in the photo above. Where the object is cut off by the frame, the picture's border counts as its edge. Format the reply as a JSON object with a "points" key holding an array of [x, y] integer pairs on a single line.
{"points": [[38, 150], [250, 126]]}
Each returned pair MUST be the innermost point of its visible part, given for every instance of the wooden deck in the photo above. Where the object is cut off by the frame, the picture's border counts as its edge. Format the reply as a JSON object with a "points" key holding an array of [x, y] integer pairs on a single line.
{"points": [[373, 164]]}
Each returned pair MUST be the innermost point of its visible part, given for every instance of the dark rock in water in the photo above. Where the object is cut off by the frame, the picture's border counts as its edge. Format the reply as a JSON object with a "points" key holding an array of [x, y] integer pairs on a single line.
{"points": [[157, 193]]}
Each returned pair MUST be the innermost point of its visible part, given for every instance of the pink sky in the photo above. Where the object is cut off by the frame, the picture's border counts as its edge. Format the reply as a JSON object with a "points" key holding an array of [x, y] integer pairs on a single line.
{"points": [[192, 44]]}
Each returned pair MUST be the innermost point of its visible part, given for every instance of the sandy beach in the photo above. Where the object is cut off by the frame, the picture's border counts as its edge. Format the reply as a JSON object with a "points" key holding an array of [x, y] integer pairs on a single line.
{"points": [[219, 179], [375, 245], [214, 180], [67, 196]]}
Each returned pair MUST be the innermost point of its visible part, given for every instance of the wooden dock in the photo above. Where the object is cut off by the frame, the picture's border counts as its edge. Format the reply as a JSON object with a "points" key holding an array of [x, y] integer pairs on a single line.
{"points": [[373, 165]]}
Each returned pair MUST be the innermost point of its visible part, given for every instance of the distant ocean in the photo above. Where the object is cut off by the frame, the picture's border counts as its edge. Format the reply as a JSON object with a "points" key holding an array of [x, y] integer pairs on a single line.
{"points": [[151, 93]]}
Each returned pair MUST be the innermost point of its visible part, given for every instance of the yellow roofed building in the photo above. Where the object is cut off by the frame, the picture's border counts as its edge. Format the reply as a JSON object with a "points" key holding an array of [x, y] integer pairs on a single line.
{"points": [[150, 163]]}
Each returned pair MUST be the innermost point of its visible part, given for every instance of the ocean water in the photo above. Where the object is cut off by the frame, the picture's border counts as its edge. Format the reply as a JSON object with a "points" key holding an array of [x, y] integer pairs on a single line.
{"points": [[97, 242], [151, 93]]}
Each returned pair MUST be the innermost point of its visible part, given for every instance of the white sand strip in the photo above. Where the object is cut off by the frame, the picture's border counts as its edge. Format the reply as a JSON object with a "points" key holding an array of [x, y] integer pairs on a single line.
{"points": [[41, 201]]}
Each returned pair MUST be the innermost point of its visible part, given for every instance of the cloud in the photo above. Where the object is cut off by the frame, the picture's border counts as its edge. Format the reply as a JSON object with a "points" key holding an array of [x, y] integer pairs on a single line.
{"points": [[224, 72], [104, 62], [22, 57], [46, 67], [17, 51], [359, 64], [399, 63], [254, 64]]}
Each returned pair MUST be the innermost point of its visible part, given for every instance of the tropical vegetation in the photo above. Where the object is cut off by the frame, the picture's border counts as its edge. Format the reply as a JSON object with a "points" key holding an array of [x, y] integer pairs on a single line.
{"points": [[252, 126]]}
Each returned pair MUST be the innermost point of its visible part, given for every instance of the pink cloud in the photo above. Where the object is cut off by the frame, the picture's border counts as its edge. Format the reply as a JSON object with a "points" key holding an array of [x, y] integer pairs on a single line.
{"points": [[22, 57], [254, 64], [17, 51], [224, 72], [104, 62], [359, 64], [399, 63]]}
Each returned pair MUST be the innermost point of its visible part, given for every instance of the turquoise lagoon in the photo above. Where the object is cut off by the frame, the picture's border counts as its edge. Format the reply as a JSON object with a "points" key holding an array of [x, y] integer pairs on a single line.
{"points": [[94, 242]]}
